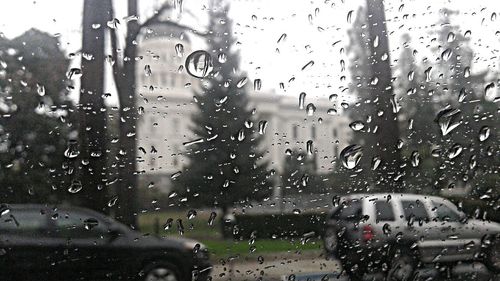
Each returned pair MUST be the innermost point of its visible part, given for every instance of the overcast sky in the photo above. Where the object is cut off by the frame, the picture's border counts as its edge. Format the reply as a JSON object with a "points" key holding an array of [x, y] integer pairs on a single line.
{"points": [[311, 27]]}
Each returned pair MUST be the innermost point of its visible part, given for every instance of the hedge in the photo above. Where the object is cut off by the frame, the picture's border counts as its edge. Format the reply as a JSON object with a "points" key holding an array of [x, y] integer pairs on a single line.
{"points": [[276, 226]]}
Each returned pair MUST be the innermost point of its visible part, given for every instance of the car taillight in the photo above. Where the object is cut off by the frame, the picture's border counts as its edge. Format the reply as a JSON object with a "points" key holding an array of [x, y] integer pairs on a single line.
{"points": [[368, 233]]}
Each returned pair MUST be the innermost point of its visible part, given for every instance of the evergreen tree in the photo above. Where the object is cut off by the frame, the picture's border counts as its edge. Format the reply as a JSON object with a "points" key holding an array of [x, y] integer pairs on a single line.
{"points": [[227, 166], [36, 120]]}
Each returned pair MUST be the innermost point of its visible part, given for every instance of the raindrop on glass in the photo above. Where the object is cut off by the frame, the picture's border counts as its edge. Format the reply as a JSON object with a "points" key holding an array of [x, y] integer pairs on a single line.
{"points": [[179, 50], [448, 119], [199, 64], [351, 155], [302, 100], [484, 133]]}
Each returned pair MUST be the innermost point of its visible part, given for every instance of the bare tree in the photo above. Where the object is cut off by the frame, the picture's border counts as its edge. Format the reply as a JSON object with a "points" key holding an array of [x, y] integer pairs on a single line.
{"points": [[124, 72]]}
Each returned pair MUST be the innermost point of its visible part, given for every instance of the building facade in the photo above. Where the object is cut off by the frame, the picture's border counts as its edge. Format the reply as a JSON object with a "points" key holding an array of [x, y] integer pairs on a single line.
{"points": [[166, 105]]}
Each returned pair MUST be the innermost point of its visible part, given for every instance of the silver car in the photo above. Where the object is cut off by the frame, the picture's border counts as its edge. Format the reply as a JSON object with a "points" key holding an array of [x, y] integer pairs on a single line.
{"points": [[398, 233]]}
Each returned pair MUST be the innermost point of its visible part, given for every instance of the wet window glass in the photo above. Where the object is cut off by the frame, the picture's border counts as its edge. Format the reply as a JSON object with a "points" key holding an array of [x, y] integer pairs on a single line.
{"points": [[249, 140]]}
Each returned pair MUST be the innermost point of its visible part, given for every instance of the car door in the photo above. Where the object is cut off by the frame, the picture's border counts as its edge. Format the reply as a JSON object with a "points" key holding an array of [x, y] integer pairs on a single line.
{"points": [[458, 240], [84, 237], [416, 232], [26, 250]]}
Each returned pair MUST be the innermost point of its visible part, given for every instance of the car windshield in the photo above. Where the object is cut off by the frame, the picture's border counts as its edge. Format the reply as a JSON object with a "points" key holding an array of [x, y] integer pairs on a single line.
{"points": [[249, 139]]}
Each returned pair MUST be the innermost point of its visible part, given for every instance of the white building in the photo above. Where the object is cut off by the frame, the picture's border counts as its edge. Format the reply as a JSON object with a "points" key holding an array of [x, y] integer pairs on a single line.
{"points": [[166, 94]]}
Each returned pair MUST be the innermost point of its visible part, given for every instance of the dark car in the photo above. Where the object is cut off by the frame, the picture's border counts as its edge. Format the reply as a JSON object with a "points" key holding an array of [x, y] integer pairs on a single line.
{"points": [[399, 233], [68, 243]]}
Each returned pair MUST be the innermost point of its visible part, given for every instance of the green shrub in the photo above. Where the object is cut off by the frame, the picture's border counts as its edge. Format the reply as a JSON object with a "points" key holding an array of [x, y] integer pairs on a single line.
{"points": [[277, 226]]}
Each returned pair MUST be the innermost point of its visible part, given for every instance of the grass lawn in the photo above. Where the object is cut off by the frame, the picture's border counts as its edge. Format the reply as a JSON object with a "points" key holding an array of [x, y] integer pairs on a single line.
{"points": [[198, 228]]}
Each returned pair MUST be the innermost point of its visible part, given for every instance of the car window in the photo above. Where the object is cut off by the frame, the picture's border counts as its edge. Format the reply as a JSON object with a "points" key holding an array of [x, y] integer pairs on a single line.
{"points": [[445, 213], [414, 210], [73, 224], [30, 223], [350, 210], [384, 211]]}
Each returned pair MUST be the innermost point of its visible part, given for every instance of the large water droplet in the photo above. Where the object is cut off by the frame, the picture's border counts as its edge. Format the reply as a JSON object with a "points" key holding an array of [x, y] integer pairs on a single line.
{"points": [[489, 90], [451, 37], [112, 201], [427, 73], [242, 82], [310, 109], [191, 214], [309, 147], [302, 100], [211, 219], [307, 65], [257, 84], [349, 16], [446, 54], [351, 155], [40, 89], [448, 119], [147, 70], [262, 127], [484, 133], [168, 224], [357, 125], [467, 72], [454, 151], [75, 187], [199, 64], [74, 73], [415, 158], [376, 162]]}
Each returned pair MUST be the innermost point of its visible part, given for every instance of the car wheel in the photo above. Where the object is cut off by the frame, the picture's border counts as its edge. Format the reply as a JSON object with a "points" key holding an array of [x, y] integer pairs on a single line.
{"points": [[493, 257], [402, 269], [161, 271]]}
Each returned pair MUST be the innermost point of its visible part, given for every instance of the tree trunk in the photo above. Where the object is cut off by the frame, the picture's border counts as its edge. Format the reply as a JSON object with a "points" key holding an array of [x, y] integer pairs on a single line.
{"points": [[127, 189], [92, 114], [388, 130]]}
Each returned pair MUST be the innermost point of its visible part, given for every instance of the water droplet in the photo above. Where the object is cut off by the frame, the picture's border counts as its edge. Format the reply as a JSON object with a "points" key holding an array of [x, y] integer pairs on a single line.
{"points": [[351, 155], [75, 187], [489, 89], [374, 81], [344, 105], [375, 41], [147, 70], [454, 151], [415, 158], [462, 95], [296, 211], [309, 147], [282, 38], [72, 151], [90, 223], [333, 97], [74, 73], [302, 100], [199, 64], [222, 57], [376, 160], [211, 219], [112, 201], [179, 50], [189, 143], [467, 72], [349, 16], [262, 127], [332, 111], [472, 162], [307, 65], [168, 224], [427, 73], [241, 135], [257, 84], [191, 214], [357, 125], [448, 119], [40, 89], [180, 227], [451, 37], [484, 133], [446, 54], [493, 16], [411, 75], [175, 175], [242, 82], [310, 109]]}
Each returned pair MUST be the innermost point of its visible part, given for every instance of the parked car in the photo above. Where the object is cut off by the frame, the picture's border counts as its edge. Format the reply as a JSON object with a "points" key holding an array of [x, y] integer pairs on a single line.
{"points": [[397, 233], [69, 243]]}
